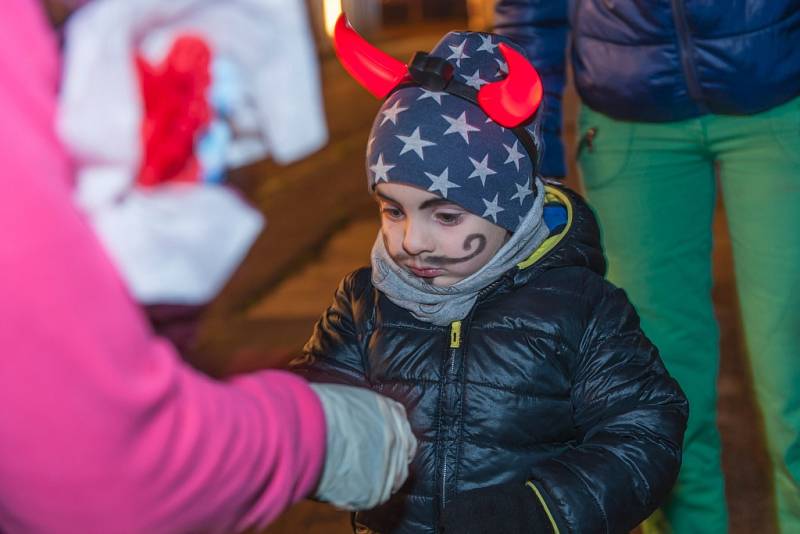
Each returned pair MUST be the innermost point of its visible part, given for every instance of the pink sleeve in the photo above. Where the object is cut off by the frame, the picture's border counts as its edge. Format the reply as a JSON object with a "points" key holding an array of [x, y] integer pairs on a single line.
{"points": [[102, 427]]}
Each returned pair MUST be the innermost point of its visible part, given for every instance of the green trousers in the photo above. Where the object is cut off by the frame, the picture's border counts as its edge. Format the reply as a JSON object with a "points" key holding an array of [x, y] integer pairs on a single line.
{"points": [[653, 187]]}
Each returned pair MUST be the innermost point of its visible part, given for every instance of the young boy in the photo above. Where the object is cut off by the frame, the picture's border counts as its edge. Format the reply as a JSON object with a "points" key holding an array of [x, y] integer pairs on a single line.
{"points": [[538, 403]]}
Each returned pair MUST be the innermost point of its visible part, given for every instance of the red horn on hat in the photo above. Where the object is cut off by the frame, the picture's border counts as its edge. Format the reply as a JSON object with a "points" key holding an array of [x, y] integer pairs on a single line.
{"points": [[514, 99], [377, 71]]}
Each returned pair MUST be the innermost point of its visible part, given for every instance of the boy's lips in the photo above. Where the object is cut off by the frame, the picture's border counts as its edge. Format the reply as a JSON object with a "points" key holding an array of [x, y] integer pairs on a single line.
{"points": [[425, 272]]}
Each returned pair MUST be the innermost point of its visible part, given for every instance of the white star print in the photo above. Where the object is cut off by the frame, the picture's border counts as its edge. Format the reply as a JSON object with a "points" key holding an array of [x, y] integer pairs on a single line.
{"points": [[458, 53], [487, 45], [436, 95], [460, 126], [482, 169], [514, 155], [522, 191], [503, 66], [489, 119], [492, 208], [474, 80], [381, 169], [441, 183], [414, 142], [390, 114]]}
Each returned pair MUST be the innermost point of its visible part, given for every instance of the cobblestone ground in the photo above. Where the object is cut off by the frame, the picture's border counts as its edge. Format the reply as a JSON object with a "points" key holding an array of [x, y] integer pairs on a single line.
{"points": [[321, 226]]}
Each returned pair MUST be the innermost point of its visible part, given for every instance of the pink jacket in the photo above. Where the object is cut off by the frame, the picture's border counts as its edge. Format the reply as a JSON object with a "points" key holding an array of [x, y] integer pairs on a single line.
{"points": [[102, 427]]}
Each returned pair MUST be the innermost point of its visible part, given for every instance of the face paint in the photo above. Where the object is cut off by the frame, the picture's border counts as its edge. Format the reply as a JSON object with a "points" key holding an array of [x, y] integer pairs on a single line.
{"points": [[443, 260], [428, 236]]}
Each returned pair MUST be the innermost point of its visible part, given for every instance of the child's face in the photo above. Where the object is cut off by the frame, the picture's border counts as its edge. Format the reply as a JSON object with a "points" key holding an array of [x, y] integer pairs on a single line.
{"points": [[433, 238]]}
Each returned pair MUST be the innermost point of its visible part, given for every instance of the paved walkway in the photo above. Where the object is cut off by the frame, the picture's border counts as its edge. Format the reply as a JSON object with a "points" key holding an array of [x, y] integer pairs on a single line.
{"points": [[307, 293]]}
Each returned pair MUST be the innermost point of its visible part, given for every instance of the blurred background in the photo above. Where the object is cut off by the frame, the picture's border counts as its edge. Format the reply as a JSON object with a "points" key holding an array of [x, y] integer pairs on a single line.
{"points": [[322, 222]]}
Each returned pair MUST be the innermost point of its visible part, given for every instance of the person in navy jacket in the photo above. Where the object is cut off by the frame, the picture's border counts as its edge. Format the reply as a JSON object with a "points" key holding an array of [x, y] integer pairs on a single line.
{"points": [[675, 94]]}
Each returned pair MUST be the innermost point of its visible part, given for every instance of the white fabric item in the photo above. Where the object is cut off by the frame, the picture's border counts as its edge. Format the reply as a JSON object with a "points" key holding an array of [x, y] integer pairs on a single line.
{"points": [[369, 446], [168, 243], [280, 115]]}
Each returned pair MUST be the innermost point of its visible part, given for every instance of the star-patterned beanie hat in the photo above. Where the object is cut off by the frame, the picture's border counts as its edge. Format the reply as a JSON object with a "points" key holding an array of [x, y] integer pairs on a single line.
{"points": [[441, 139]]}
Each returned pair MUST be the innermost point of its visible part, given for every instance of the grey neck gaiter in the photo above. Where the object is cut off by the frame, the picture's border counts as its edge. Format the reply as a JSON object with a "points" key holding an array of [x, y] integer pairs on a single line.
{"points": [[443, 305]]}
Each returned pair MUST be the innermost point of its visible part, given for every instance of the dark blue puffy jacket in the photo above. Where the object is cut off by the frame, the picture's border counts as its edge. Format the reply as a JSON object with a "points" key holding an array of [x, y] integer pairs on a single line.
{"points": [[548, 379], [657, 61]]}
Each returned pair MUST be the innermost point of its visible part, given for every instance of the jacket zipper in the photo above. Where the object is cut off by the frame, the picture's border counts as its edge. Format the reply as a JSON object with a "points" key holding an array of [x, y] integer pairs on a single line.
{"points": [[455, 344], [684, 49]]}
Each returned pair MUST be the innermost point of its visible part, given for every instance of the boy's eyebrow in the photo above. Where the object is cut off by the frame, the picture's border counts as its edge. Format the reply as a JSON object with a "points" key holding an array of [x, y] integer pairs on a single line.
{"points": [[432, 202], [386, 197]]}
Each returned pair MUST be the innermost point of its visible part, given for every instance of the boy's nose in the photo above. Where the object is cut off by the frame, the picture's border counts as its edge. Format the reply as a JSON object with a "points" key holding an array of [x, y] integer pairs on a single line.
{"points": [[416, 240]]}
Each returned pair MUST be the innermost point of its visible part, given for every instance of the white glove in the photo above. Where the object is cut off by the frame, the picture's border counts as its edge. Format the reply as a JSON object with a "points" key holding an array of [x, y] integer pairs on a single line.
{"points": [[369, 447]]}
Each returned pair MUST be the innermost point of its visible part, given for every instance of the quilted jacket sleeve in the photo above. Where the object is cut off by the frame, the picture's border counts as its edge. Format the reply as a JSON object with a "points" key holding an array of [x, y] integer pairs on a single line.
{"points": [[334, 353], [541, 28], [630, 415]]}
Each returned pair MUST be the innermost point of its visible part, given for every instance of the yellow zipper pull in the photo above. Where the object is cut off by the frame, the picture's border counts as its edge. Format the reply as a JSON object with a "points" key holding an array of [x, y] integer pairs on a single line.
{"points": [[455, 334]]}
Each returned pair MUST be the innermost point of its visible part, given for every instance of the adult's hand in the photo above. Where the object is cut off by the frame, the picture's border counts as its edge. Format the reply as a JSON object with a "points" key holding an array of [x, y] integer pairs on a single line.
{"points": [[369, 447]]}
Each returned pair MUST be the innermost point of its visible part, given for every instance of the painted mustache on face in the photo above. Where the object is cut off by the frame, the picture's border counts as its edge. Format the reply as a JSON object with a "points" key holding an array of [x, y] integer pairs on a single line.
{"points": [[439, 261]]}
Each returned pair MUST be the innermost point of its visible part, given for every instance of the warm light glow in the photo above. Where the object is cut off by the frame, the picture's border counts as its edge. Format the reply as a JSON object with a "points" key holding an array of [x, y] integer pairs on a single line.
{"points": [[331, 9]]}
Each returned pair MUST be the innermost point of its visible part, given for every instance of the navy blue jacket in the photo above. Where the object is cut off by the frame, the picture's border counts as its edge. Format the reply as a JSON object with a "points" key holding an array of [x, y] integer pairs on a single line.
{"points": [[549, 379], [657, 61]]}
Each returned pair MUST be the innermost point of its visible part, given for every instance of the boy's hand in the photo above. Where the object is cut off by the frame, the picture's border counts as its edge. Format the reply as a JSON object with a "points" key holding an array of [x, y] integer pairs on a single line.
{"points": [[508, 508]]}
